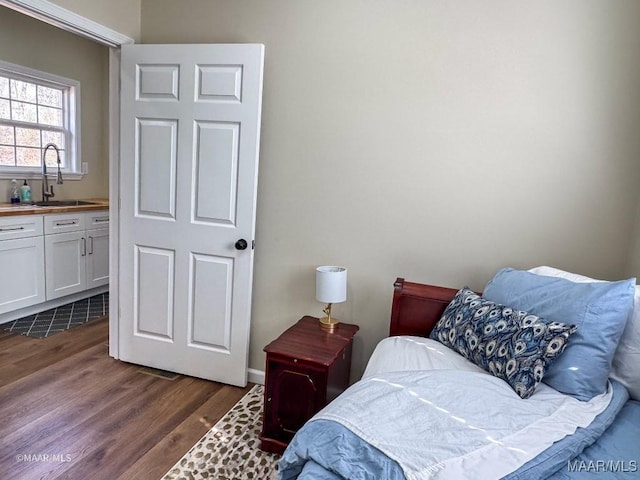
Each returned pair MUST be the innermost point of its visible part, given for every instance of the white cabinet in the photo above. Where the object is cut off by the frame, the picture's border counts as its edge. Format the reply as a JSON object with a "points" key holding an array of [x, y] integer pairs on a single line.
{"points": [[77, 255], [65, 264], [20, 226], [97, 257], [22, 281], [97, 230], [64, 222], [99, 219]]}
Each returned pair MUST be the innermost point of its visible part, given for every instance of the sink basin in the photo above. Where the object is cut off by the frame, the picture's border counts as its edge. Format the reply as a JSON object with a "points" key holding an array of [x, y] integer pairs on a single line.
{"points": [[63, 203]]}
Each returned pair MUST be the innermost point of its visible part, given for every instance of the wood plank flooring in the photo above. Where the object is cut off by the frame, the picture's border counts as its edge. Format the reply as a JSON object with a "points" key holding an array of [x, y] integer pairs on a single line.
{"points": [[82, 415]]}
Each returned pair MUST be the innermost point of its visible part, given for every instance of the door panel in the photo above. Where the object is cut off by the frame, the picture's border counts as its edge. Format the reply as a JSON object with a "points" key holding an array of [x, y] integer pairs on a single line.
{"points": [[219, 83], [156, 163], [212, 279], [216, 178], [157, 82], [189, 156], [154, 287]]}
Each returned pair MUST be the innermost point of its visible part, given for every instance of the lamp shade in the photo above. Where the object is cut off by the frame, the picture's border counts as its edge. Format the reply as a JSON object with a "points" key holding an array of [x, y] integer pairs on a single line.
{"points": [[331, 284]]}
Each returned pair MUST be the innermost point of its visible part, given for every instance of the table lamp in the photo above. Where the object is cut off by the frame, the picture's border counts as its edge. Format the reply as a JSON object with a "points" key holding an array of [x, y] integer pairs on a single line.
{"points": [[331, 287]]}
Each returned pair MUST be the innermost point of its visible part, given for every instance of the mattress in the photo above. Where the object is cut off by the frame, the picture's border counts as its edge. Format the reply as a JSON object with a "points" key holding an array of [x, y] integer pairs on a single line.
{"points": [[326, 449]]}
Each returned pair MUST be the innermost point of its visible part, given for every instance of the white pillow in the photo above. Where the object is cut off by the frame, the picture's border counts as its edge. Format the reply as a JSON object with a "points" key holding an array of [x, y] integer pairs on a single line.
{"points": [[626, 361]]}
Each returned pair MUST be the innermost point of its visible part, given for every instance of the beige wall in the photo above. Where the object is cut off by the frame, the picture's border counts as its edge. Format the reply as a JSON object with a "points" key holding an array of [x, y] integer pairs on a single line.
{"points": [[434, 140], [34, 44], [123, 16], [634, 254]]}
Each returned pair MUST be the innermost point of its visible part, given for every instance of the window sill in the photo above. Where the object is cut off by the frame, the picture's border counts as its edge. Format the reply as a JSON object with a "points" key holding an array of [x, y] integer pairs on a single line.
{"points": [[20, 176]]}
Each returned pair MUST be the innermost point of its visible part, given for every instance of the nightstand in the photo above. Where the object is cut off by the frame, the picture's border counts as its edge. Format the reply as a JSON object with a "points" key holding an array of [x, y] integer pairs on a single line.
{"points": [[307, 367]]}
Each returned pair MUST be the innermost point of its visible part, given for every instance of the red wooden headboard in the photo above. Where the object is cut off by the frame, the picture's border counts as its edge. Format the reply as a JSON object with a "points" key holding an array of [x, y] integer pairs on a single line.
{"points": [[417, 307]]}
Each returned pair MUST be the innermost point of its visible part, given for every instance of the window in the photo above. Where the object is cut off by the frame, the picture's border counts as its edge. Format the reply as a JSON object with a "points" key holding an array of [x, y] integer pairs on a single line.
{"points": [[37, 108]]}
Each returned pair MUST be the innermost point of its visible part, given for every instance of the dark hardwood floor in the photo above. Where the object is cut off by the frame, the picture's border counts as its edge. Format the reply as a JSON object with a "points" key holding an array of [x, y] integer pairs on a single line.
{"points": [[69, 411]]}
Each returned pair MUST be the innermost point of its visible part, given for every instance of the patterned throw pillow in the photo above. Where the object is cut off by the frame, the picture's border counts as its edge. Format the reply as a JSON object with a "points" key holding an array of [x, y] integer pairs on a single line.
{"points": [[510, 344]]}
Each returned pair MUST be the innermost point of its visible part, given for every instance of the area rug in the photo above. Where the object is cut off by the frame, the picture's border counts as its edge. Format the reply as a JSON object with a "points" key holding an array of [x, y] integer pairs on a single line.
{"points": [[64, 317], [231, 449]]}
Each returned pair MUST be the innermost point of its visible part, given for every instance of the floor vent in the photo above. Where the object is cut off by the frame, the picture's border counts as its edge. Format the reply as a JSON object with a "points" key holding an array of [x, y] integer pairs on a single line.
{"points": [[154, 372]]}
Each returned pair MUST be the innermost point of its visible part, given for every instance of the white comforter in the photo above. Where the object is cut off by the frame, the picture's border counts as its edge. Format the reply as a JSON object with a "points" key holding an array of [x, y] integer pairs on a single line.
{"points": [[450, 420]]}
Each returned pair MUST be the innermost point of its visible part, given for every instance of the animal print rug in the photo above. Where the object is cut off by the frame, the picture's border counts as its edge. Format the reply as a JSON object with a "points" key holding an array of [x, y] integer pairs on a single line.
{"points": [[231, 449]]}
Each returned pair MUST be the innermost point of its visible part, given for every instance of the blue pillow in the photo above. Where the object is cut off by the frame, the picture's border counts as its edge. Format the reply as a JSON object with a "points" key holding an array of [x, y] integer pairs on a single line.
{"points": [[599, 310], [510, 344]]}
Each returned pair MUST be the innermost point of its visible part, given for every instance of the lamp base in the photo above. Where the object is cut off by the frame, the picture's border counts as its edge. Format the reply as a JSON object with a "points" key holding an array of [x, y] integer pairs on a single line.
{"points": [[329, 323]]}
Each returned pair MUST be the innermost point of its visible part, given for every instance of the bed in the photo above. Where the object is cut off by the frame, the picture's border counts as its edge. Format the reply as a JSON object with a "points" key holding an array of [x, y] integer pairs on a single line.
{"points": [[424, 410]]}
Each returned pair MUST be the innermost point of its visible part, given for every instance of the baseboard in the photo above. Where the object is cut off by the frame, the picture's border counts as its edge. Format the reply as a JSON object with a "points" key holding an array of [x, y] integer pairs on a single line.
{"points": [[255, 376]]}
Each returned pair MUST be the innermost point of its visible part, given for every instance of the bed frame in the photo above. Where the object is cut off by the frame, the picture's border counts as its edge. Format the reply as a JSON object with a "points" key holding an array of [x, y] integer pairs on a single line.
{"points": [[417, 307]]}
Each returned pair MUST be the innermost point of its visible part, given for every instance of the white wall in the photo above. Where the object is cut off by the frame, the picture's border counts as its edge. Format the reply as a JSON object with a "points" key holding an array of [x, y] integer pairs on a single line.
{"points": [[123, 16], [433, 140], [31, 43]]}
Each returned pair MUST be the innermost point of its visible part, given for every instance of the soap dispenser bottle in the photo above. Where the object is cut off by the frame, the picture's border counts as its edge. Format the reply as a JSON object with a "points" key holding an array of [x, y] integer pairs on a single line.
{"points": [[14, 193], [25, 193]]}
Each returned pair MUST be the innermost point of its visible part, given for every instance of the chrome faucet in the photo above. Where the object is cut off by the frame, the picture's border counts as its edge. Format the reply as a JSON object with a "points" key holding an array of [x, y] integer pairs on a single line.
{"points": [[47, 191]]}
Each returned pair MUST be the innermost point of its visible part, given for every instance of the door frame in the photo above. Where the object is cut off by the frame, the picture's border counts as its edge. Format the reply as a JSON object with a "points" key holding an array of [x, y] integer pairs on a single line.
{"points": [[69, 21]]}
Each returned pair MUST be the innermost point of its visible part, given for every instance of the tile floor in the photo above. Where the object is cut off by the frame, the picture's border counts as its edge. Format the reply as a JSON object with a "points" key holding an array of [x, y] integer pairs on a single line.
{"points": [[59, 319]]}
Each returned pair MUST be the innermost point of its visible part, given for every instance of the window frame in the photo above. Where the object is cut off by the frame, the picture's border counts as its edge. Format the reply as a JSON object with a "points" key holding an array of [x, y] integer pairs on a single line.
{"points": [[71, 121]]}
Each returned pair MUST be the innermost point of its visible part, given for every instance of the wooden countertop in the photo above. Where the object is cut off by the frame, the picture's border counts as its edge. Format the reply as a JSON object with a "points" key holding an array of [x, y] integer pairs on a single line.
{"points": [[8, 209]]}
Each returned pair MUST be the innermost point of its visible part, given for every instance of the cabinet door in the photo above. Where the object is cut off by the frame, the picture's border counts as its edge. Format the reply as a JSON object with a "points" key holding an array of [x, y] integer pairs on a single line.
{"points": [[97, 257], [22, 275], [65, 255], [294, 394]]}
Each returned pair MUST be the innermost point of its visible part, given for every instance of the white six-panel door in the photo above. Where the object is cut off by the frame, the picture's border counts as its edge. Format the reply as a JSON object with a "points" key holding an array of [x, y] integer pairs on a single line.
{"points": [[190, 124]]}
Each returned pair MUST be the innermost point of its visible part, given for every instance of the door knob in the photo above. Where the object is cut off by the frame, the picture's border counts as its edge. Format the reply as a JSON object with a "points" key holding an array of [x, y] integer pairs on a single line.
{"points": [[241, 244]]}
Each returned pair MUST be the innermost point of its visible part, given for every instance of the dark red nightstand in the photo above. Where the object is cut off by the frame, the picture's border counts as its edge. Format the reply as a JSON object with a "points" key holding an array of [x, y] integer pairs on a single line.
{"points": [[307, 367]]}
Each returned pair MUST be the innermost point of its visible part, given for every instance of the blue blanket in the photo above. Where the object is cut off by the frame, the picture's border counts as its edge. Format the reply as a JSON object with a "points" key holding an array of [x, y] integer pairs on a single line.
{"points": [[616, 454], [325, 450]]}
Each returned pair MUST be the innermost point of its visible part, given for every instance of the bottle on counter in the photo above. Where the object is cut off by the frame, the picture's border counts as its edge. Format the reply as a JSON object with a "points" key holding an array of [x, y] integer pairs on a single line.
{"points": [[14, 194], [25, 193]]}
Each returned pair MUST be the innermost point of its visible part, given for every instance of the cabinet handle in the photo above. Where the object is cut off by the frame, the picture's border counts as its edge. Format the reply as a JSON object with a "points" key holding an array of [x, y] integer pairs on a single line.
{"points": [[11, 229], [101, 220], [66, 224], [84, 247], [90, 245]]}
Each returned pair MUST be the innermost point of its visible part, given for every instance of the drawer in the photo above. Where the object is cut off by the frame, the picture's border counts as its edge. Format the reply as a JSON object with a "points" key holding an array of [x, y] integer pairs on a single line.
{"points": [[97, 219], [21, 226], [64, 222]]}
